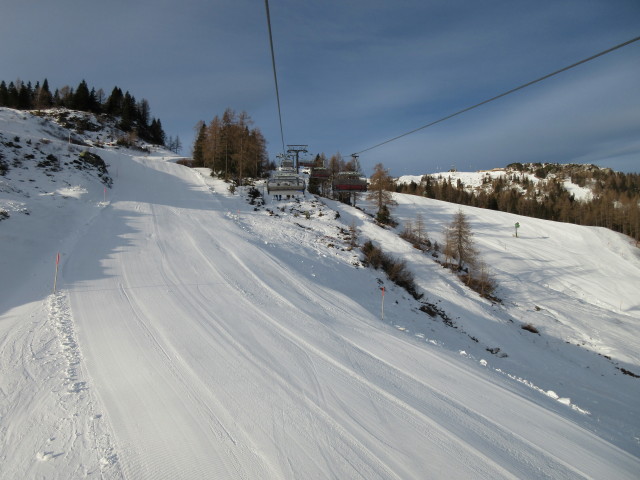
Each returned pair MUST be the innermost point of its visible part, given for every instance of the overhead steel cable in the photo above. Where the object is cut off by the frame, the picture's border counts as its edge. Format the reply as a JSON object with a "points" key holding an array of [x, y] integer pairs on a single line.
{"points": [[502, 94], [275, 76]]}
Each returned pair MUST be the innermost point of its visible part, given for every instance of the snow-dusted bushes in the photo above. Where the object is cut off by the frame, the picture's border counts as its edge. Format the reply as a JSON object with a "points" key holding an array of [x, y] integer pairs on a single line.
{"points": [[472, 269], [480, 280], [415, 233], [395, 269]]}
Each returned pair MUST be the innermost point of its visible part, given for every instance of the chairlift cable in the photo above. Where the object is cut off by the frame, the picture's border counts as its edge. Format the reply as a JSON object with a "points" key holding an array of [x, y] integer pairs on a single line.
{"points": [[275, 76], [504, 94]]}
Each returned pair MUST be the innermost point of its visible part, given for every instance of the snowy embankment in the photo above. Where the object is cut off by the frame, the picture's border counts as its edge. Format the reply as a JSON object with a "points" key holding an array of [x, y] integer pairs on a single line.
{"points": [[195, 336]]}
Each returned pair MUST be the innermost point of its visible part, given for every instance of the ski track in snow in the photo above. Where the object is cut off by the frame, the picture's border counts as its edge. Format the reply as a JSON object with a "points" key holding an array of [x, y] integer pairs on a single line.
{"points": [[57, 429], [258, 380]]}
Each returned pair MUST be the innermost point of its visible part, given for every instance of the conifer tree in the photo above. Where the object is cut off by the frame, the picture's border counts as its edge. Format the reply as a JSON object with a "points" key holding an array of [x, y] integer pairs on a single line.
{"points": [[24, 97], [4, 95], [12, 95], [81, 97], [380, 188], [128, 114], [143, 113], [113, 106], [459, 242], [213, 146], [198, 145], [45, 97], [94, 105], [156, 134]]}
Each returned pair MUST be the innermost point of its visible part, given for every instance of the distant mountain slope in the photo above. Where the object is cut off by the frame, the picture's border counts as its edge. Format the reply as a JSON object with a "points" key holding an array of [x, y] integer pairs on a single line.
{"points": [[581, 194]]}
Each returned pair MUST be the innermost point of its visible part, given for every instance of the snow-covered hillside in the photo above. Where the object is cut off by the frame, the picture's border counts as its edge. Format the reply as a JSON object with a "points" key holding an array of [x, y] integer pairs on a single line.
{"points": [[194, 335], [481, 180]]}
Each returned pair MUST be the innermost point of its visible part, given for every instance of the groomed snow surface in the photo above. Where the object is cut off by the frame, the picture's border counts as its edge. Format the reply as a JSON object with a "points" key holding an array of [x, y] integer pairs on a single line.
{"points": [[196, 336]]}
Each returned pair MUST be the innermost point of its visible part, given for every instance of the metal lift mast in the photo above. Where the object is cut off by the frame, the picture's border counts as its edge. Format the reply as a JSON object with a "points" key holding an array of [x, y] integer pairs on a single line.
{"points": [[356, 163], [297, 149]]}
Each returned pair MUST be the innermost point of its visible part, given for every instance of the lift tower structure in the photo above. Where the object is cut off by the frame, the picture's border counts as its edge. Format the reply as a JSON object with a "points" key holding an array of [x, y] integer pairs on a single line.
{"points": [[297, 149]]}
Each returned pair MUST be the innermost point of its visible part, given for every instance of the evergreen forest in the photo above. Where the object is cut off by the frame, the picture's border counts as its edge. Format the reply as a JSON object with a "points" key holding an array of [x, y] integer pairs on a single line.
{"points": [[537, 190], [134, 116]]}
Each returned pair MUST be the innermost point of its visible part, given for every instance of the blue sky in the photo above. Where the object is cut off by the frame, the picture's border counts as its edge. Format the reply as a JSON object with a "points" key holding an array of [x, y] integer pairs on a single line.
{"points": [[355, 73]]}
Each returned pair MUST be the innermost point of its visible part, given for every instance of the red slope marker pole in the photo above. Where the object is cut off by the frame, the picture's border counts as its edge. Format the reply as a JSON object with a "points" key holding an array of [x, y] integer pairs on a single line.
{"points": [[55, 278]]}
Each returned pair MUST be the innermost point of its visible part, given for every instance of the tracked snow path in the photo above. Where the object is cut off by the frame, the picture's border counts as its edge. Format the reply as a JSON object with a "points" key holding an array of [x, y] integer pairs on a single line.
{"points": [[56, 427], [214, 359]]}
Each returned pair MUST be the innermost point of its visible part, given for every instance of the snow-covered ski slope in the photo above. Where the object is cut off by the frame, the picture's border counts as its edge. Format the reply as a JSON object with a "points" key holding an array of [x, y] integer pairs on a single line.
{"points": [[193, 336]]}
